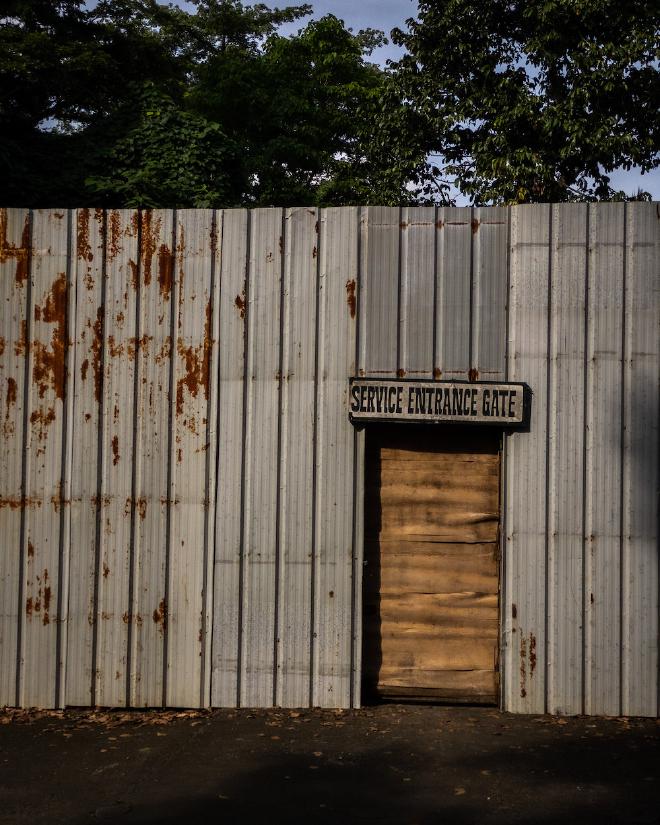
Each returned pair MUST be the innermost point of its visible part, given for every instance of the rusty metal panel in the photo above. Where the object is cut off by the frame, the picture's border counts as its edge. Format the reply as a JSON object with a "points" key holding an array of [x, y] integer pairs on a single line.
{"points": [[453, 293], [148, 505], [335, 612], [45, 510], [87, 367], [417, 311], [379, 288], [261, 459], [14, 287], [192, 456], [114, 617], [296, 468], [524, 612], [641, 366], [233, 287], [489, 292], [603, 434], [566, 457]]}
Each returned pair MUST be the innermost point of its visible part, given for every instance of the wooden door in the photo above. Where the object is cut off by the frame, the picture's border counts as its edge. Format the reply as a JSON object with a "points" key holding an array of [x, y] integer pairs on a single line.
{"points": [[431, 576]]}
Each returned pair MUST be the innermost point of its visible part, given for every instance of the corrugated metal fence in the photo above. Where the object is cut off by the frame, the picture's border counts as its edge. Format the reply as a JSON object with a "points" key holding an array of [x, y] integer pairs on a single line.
{"points": [[181, 491]]}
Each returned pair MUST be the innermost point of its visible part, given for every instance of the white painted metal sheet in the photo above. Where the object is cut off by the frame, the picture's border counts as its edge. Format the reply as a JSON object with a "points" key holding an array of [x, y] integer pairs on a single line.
{"points": [[233, 287], [453, 293], [603, 434], [192, 454], [261, 459], [524, 610], [337, 557], [296, 469], [148, 506], [379, 289], [490, 229], [114, 610], [45, 454], [417, 311], [14, 288], [641, 367], [86, 419], [566, 458]]}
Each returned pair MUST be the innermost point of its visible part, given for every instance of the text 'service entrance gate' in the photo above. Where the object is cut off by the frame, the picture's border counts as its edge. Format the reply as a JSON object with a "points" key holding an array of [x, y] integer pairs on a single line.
{"points": [[431, 576]]}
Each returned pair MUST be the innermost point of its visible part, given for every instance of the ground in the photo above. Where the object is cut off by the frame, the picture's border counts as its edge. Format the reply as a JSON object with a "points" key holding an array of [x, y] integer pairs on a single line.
{"points": [[403, 764]]}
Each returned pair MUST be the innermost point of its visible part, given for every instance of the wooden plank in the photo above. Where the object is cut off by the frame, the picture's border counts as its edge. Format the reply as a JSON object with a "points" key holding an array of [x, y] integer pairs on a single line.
{"points": [[566, 457], [87, 390], [46, 394], [603, 431], [14, 275], [230, 468], [453, 293], [294, 632], [379, 287], [192, 445], [114, 611], [455, 686], [526, 456], [640, 469], [150, 503], [416, 315], [261, 459]]}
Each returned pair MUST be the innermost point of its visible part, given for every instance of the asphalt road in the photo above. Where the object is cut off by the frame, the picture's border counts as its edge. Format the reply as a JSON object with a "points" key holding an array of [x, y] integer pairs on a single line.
{"points": [[403, 764]]}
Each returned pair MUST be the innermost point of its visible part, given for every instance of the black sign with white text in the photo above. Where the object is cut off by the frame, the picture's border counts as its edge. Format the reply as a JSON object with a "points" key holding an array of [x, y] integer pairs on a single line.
{"points": [[482, 402]]}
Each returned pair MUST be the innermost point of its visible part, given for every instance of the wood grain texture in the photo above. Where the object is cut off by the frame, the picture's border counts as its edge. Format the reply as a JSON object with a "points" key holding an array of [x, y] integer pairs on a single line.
{"points": [[431, 589]]}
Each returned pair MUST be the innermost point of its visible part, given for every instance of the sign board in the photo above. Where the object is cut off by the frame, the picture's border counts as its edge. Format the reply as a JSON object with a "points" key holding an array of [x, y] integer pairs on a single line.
{"points": [[481, 402]]}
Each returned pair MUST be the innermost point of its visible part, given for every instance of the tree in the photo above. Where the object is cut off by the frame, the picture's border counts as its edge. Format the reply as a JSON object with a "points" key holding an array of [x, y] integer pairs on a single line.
{"points": [[533, 100]]}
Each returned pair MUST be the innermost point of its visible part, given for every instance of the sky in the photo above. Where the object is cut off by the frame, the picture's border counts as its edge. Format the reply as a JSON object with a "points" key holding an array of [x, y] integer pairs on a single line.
{"points": [[385, 15]]}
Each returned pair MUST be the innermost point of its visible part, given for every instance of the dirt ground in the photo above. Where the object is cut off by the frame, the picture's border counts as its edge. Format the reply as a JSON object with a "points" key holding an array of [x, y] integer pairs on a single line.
{"points": [[403, 764]]}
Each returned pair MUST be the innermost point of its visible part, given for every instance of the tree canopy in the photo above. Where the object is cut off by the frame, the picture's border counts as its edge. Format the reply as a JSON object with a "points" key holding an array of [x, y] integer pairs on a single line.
{"points": [[138, 103], [533, 100]]}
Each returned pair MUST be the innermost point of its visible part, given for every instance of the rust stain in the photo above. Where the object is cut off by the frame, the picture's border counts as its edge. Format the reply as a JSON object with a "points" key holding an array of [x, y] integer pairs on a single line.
{"points": [[21, 343], [120, 319], [83, 247], [440, 223], [474, 223], [401, 373], [12, 395], [141, 505], [403, 225], [19, 253], [214, 235], [314, 252], [160, 615], [114, 242], [19, 502], [115, 450], [30, 549], [50, 364], [135, 274], [179, 456], [473, 374], [514, 611], [29, 606], [97, 350], [350, 297], [165, 271], [437, 373], [41, 419], [281, 244], [532, 654], [127, 618], [106, 570], [523, 667], [197, 361], [83, 369], [148, 242], [239, 303], [2, 345]]}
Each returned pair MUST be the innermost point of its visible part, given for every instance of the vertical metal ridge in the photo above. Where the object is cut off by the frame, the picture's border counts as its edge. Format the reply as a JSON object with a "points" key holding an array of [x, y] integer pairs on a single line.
{"points": [[246, 384], [65, 474], [313, 653], [585, 412], [20, 636], [622, 450], [471, 333], [210, 471], [99, 464], [399, 295], [130, 663], [175, 301], [549, 376], [434, 326], [278, 483]]}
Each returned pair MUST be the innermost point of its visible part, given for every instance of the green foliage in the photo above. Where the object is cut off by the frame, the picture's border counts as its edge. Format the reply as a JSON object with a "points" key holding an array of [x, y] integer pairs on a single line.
{"points": [[533, 100]]}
